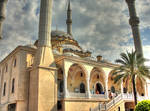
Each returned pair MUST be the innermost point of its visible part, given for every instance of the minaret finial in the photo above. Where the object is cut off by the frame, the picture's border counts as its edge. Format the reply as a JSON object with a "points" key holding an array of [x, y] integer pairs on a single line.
{"points": [[69, 6], [69, 18]]}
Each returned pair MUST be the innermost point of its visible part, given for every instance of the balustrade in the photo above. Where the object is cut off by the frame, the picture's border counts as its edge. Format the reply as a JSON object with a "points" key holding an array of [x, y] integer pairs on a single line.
{"points": [[117, 99]]}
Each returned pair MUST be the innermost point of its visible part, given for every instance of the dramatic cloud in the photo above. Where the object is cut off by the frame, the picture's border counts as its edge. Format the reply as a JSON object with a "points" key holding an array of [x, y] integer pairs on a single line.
{"points": [[100, 26]]}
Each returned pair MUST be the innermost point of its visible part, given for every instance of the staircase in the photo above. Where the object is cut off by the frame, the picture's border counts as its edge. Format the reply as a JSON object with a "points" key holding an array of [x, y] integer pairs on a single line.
{"points": [[125, 97]]}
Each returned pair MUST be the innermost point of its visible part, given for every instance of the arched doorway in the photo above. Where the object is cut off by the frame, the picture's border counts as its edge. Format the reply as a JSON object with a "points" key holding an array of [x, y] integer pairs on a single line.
{"points": [[98, 88], [76, 80], [82, 88], [97, 81]]}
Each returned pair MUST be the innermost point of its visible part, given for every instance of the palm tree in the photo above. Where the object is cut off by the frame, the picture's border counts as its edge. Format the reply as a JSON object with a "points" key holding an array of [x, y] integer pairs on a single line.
{"points": [[131, 68]]}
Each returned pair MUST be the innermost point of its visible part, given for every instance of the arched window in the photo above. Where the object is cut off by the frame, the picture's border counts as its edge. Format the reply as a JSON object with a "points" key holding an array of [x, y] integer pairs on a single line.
{"points": [[4, 89], [97, 76], [6, 68], [81, 74], [82, 88], [125, 90], [61, 86], [112, 89], [13, 86], [15, 62], [118, 108]]}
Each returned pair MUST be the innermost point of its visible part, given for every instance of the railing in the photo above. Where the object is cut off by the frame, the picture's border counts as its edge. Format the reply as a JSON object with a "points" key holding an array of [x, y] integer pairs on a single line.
{"points": [[76, 95], [98, 96], [102, 107], [81, 95]]}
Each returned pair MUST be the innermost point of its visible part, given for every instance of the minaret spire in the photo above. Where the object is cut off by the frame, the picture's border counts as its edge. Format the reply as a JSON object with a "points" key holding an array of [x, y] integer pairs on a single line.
{"points": [[43, 76], [134, 22], [3, 4], [69, 18], [44, 51]]}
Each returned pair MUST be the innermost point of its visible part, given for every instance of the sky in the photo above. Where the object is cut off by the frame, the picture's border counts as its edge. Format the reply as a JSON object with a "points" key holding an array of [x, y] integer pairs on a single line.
{"points": [[100, 26]]}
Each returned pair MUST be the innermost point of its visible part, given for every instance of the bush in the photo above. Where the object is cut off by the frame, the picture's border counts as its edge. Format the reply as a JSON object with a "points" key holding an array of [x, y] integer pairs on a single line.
{"points": [[143, 106]]}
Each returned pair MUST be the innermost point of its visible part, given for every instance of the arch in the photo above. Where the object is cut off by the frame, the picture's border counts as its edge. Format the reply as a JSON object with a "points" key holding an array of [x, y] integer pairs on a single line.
{"points": [[81, 68], [112, 85], [99, 88], [97, 70], [13, 86], [6, 67], [140, 86], [14, 61], [97, 75], [77, 74]]}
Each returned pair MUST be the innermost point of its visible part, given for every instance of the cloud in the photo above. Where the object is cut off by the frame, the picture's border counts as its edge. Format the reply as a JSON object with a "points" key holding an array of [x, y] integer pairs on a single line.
{"points": [[100, 26]]}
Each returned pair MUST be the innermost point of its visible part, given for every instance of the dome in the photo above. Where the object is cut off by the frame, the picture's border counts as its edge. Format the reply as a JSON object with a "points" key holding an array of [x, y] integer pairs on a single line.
{"points": [[64, 43]]}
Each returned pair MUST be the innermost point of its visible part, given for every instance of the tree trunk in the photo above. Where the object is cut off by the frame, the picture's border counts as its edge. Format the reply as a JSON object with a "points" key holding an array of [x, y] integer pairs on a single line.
{"points": [[134, 90]]}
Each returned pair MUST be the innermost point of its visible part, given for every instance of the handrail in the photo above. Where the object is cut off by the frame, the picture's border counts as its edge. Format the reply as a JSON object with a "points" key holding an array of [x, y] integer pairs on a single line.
{"points": [[116, 100]]}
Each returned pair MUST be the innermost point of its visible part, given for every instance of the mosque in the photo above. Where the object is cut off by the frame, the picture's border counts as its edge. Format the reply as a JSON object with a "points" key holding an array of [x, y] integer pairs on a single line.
{"points": [[56, 74]]}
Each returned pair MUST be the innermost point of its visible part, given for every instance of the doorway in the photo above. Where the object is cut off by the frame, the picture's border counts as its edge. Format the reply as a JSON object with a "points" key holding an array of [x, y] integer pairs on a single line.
{"points": [[12, 107], [99, 88], [82, 88]]}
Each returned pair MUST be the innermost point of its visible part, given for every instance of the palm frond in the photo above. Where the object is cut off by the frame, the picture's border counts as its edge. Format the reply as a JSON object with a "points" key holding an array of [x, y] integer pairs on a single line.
{"points": [[120, 62], [117, 78]]}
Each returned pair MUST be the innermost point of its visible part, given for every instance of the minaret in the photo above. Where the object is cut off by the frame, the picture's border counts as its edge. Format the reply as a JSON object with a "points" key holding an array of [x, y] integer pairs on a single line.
{"points": [[134, 22], [3, 4], [69, 19], [43, 77]]}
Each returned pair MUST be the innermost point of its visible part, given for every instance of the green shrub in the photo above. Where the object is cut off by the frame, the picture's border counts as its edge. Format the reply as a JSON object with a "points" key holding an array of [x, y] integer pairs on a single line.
{"points": [[143, 106]]}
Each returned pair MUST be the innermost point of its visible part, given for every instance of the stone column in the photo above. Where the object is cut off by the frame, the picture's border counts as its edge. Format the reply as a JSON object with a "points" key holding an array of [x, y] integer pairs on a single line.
{"points": [[3, 4], [121, 87], [134, 22], [145, 89], [106, 87], [88, 87], [65, 87]]}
